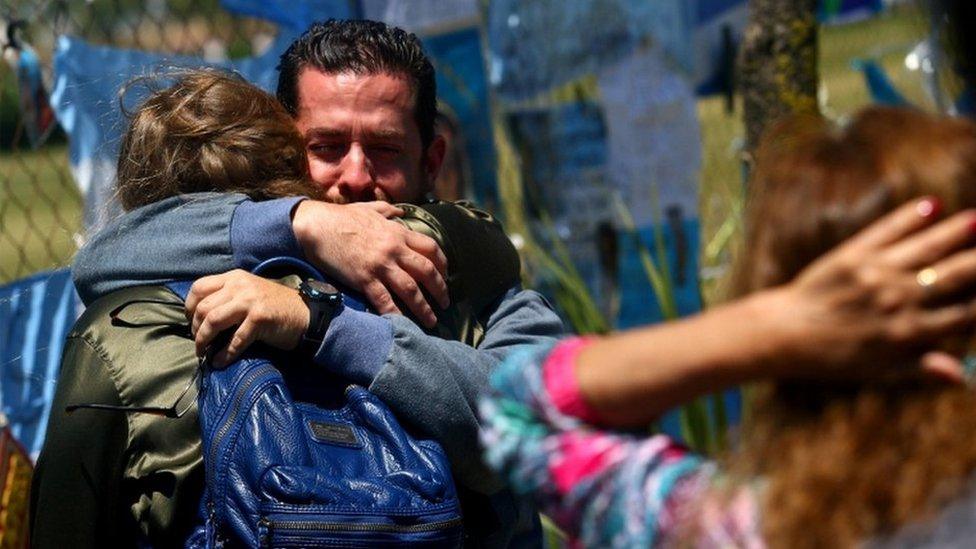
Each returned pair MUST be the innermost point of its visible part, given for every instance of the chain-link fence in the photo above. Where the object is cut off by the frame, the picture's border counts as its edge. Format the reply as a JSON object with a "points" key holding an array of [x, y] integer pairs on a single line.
{"points": [[40, 203], [41, 206]]}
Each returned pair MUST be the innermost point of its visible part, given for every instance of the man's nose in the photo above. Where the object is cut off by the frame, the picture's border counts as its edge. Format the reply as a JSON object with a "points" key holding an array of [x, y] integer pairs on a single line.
{"points": [[356, 181]]}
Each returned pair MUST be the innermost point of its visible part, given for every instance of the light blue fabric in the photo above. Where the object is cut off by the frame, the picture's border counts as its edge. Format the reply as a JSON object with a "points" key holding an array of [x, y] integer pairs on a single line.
{"points": [[35, 315], [109, 257], [359, 358], [85, 100], [88, 78], [265, 230]]}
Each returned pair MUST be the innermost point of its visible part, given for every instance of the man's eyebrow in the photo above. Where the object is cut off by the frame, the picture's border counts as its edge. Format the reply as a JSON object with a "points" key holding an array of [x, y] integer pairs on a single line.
{"points": [[385, 134], [325, 133]]}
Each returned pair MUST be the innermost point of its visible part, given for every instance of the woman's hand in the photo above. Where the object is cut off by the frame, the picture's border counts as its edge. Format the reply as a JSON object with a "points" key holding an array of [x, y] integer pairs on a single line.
{"points": [[261, 310], [879, 304]]}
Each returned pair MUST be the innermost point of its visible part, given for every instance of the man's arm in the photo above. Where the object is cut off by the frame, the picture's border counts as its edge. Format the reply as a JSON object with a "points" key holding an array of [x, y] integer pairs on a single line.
{"points": [[430, 383], [181, 238], [190, 236], [434, 384]]}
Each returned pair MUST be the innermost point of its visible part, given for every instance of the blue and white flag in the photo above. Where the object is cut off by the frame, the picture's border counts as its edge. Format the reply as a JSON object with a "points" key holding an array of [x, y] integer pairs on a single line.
{"points": [[35, 316], [88, 80]]}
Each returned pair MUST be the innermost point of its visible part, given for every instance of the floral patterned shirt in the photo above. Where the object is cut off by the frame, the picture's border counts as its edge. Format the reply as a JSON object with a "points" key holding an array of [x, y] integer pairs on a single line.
{"points": [[604, 488]]}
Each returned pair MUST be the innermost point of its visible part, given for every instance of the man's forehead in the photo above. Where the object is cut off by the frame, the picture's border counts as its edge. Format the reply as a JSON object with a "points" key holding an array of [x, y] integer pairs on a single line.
{"points": [[317, 89]]}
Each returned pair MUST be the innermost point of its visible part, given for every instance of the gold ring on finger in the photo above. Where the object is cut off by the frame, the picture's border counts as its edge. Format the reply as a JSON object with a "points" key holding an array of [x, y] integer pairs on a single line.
{"points": [[926, 278]]}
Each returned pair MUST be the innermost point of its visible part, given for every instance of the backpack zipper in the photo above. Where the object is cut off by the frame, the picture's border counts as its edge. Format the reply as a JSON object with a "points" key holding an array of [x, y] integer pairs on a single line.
{"points": [[266, 527], [242, 390]]}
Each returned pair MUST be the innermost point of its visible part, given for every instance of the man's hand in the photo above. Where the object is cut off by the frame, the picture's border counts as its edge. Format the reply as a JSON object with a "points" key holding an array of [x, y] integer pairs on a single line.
{"points": [[358, 245], [261, 310], [866, 304]]}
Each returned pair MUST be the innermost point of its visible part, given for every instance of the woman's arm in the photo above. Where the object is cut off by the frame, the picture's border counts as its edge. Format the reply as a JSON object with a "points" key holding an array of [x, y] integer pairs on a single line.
{"points": [[603, 488], [857, 311]]}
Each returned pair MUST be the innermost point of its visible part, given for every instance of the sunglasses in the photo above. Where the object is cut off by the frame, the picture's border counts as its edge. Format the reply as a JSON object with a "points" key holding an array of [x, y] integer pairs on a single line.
{"points": [[175, 411]]}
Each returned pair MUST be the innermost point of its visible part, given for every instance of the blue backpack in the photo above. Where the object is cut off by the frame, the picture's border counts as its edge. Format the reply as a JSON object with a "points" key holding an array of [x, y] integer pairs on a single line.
{"points": [[294, 463]]}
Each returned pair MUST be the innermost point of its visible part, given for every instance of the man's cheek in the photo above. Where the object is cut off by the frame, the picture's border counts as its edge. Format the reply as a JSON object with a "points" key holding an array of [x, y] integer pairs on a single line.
{"points": [[321, 174]]}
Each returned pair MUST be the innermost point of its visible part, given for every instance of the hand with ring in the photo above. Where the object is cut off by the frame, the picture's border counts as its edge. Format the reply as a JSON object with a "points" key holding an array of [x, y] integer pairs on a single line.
{"points": [[926, 278], [885, 297]]}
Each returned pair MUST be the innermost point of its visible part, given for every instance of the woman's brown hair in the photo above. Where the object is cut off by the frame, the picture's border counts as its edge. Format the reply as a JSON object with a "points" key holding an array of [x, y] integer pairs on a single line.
{"points": [[843, 463], [211, 131]]}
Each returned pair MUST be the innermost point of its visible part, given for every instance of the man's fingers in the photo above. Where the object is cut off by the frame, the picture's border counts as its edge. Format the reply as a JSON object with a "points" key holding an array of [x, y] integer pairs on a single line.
{"points": [[934, 243], [377, 294], [385, 209], [943, 366], [423, 271], [200, 289], [896, 225], [217, 321], [243, 337], [204, 306], [427, 247], [408, 291]]}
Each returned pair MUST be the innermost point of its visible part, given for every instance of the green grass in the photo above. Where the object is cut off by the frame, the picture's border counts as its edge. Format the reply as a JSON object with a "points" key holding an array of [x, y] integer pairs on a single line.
{"points": [[40, 212], [887, 39]]}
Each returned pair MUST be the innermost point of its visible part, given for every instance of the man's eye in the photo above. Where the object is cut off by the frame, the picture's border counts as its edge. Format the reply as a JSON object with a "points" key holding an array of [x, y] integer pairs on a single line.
{"points": [[326, 148]]}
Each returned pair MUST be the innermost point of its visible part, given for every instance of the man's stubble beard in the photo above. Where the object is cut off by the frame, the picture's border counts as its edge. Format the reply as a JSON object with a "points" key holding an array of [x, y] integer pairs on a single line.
{"points": [[378, 194]]}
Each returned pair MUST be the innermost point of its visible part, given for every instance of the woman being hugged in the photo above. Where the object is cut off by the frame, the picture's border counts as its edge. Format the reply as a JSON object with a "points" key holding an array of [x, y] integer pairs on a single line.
{"points": [[828, 457]]}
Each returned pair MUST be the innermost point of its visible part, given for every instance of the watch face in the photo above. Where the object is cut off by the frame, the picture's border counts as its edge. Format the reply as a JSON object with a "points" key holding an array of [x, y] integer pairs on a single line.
{"points": [[318, 290]]}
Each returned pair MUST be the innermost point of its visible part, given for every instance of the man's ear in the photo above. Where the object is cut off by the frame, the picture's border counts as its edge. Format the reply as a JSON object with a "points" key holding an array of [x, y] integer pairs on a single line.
{"points": [[434, 159]]}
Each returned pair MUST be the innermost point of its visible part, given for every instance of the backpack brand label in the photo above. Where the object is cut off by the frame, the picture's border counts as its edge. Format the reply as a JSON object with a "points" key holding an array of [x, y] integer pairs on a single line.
{"points": [[333, 433]]}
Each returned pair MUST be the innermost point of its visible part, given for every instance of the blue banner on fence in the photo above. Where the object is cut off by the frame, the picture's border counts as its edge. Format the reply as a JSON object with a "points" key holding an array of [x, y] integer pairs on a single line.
{"points": [[88, 79], [35, 316], [536, 46], [294, 15], [463, 87]]}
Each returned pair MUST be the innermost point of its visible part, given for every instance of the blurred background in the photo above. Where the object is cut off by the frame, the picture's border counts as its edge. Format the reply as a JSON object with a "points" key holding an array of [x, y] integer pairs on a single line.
{"points": [[611, 136]]}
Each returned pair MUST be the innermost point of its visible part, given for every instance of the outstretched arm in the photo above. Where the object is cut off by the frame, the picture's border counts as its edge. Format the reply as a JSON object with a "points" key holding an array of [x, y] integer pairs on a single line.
{"points": [[858, 311], [603, 488]]}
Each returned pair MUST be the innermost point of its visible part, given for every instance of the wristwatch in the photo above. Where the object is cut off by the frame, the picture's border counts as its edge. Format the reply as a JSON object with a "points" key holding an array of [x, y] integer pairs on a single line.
{"points": [[324, 303]]}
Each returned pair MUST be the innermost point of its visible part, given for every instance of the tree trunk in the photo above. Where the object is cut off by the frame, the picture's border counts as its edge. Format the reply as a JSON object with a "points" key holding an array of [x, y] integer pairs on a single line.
{"points": [[777, 63]]}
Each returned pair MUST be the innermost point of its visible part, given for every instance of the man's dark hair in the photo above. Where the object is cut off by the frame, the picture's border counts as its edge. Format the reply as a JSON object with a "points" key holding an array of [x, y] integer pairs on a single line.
{"points": [[361, 47]]}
